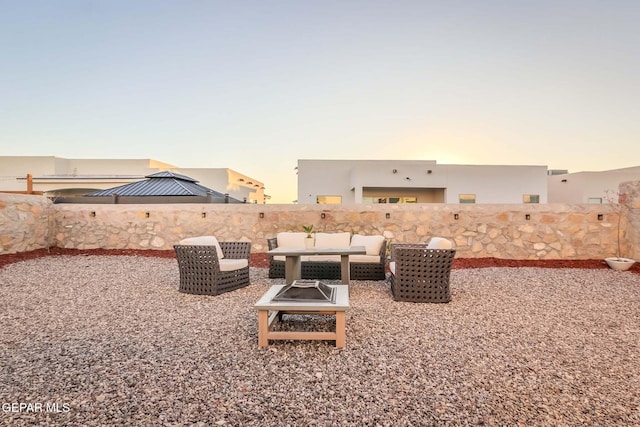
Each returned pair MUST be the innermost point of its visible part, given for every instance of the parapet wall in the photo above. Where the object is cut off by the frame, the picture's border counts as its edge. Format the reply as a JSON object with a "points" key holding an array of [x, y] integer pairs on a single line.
{"points": [[533, 231]]}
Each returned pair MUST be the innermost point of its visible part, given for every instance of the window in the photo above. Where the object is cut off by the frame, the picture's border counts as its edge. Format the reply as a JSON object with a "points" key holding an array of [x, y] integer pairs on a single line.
{"points": [[329, 200], [467, 198], [409, 199], [595, 200], [531, 198]]}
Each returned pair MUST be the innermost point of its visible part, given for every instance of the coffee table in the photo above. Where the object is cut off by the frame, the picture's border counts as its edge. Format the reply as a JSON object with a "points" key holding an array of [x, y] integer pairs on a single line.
{"points": [[293, 262], [269, 311]]}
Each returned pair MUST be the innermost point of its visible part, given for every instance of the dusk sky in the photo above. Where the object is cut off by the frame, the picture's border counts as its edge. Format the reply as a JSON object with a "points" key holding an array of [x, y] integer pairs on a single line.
{"points": [[256, 85]]}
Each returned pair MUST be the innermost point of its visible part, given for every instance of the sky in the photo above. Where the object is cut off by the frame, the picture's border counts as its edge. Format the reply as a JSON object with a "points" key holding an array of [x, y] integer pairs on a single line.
{"points": [[256, 85]]}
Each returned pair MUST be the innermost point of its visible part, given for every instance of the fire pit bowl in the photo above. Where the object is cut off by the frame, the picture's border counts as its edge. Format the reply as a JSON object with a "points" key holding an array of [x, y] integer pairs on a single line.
{"points": [[307, 291]]}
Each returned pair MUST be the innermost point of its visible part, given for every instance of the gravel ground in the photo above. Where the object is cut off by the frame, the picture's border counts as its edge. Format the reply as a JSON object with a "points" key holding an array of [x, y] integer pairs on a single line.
{"points": [[110, 341]]}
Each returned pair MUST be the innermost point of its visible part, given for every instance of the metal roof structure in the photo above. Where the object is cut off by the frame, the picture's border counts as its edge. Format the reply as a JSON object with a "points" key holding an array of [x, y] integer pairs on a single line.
{"points": [[162, 184]]}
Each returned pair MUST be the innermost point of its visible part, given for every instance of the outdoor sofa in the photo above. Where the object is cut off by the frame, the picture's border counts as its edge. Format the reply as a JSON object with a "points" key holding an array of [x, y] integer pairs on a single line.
{"points": [[362, 267]]}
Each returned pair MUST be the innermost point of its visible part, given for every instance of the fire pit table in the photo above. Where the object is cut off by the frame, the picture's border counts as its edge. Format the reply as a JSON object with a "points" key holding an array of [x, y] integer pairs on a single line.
{"points": [[269, 310]]}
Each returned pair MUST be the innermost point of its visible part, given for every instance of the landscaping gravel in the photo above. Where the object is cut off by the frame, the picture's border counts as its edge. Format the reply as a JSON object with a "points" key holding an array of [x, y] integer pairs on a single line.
{"points": [[97, 340]]}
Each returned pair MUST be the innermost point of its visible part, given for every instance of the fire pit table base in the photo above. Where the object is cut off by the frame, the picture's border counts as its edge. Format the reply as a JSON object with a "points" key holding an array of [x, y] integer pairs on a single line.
{"points": [[269, 311]]}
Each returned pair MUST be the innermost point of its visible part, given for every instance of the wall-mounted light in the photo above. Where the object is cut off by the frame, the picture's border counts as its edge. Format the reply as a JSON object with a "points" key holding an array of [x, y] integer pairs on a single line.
{"points": [[261, 215], [456, 217], [323, 215], [527, 217], [387, 215], [147, 214], [600, 217], [92, 214], [204, 215], [564, 180], [429, 171]]}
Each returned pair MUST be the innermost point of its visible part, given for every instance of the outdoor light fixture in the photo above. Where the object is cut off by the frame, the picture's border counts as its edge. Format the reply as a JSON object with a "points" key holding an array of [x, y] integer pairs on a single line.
{"points": [[527, 217], [387, 215], [92, 214], [456, 216], [600, 217], [323, 215], [204, 214], [261, 214], [147, 214], [429, 171], [564, 180]]}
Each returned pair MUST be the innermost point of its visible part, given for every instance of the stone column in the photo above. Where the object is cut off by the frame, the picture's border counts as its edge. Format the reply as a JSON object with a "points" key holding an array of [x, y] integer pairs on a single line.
{"points": [[630, 233]]}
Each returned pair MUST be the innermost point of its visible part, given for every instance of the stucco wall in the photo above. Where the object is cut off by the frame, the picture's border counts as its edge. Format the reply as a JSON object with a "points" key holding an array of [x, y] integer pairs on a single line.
{"points": [[553, 231]]}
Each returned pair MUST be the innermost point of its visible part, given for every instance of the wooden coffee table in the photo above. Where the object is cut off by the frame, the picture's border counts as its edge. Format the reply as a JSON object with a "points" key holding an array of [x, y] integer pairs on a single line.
{"points": [[269, 311]]}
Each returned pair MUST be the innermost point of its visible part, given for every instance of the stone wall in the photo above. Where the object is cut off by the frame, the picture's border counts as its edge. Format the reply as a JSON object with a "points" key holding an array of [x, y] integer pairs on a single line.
{"points": [[26, 222], [535, 231]]}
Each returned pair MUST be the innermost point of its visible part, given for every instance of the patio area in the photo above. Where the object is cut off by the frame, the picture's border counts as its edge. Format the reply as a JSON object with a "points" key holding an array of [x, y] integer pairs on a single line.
{"points": [[112, 340]]}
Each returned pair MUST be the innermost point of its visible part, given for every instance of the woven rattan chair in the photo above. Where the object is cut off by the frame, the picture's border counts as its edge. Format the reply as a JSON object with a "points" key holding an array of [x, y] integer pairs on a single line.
{"points": [[203, 272], [419, 273]]}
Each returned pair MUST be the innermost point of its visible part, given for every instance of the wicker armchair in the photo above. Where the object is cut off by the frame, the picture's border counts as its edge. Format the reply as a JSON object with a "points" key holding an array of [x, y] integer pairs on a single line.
{"points": [[419, 273], [203, 272]]}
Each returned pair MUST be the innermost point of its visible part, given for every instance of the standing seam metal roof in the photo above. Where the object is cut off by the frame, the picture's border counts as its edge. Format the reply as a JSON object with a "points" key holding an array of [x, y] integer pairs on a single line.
{"points": [[160, 184]]}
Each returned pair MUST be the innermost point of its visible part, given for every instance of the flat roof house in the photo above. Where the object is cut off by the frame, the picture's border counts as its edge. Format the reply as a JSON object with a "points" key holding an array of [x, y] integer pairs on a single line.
{"points": [[61, 177], [418, 181]]}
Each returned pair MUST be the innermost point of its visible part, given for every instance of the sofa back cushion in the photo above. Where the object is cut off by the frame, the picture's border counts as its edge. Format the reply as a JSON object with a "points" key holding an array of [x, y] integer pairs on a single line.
{"points": [[203, 241], [333, 240], [291, 239], [372, 244]]}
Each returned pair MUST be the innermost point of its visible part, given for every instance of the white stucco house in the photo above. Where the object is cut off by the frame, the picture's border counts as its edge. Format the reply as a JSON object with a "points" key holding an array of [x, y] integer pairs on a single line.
{"points": [[418, 181], [589, 187], [57, 176]]}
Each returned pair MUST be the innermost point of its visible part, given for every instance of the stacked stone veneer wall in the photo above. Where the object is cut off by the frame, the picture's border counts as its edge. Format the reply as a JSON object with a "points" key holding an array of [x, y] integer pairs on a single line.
{"points": [[544, 231]]}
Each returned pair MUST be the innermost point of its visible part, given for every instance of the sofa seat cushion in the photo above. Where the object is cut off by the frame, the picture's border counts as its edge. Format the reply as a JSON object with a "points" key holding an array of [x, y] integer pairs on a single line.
{"points": [[372, 244], [203, 241], [229, 264], [365, 258], [291, 239], [333, 240], [324, 258], [283, 258]]}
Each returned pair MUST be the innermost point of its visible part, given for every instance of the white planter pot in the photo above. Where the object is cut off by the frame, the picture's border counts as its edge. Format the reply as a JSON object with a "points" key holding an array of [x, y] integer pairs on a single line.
{"points": [[620, 264], [308, 242]]}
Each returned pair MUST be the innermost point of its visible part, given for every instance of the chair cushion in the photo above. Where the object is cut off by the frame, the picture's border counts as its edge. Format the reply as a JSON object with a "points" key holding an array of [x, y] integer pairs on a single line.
{"points": [[375, 259], [291, 239], [392, 267], [324, 258], [439, 243], [372, 244], [333, 240], [204, 241], [229, 264]]}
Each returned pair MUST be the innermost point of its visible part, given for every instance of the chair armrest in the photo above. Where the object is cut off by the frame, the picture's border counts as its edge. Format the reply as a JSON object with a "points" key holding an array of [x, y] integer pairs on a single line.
{"points": [[236, 250], [272, 243], [383, 251]]}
